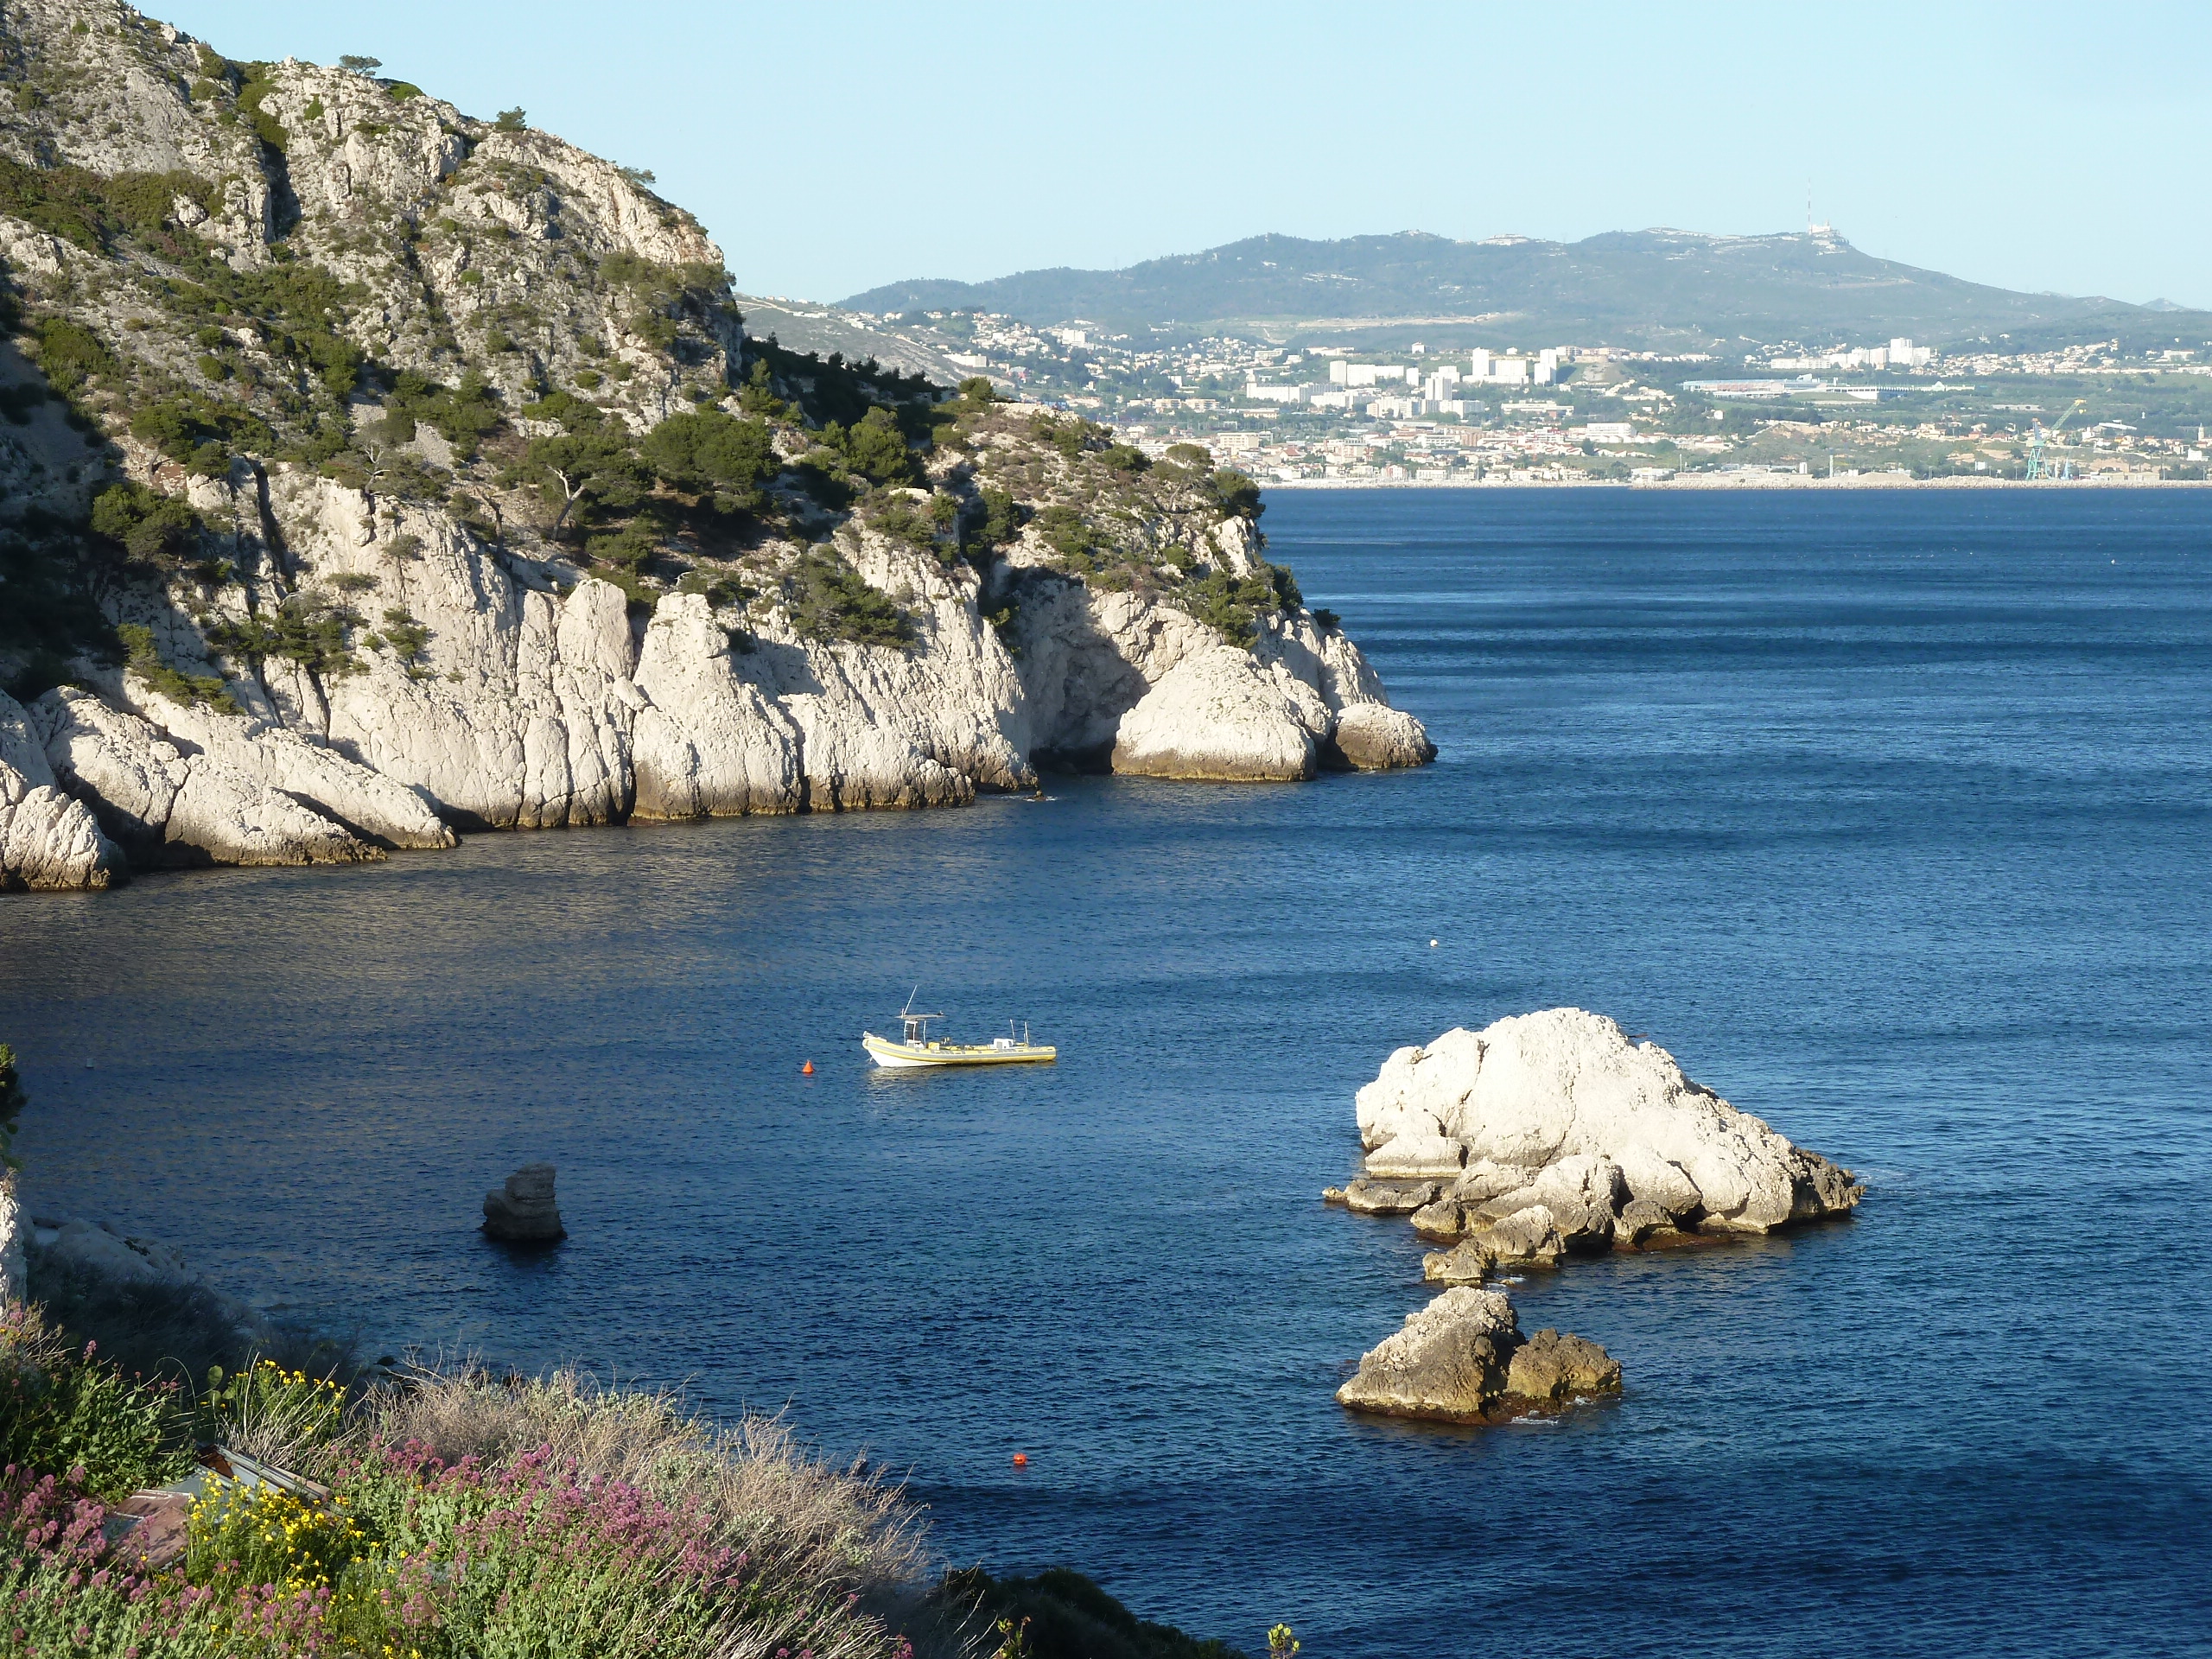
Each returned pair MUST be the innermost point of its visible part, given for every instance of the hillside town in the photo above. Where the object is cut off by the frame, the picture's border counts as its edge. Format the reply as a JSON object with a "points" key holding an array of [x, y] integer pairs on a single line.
{"points": [[1885, 411]]}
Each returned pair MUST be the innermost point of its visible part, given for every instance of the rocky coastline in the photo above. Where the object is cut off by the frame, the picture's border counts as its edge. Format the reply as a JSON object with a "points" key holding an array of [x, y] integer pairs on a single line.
{"points": [[1541, 1137], [374, 473]]}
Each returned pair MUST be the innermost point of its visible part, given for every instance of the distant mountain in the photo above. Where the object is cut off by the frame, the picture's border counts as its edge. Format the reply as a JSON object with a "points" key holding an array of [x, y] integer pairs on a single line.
{"points": [[1657, 287]]}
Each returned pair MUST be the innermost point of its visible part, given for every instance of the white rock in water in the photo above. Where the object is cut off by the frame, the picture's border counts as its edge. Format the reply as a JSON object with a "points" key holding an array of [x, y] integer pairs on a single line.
{"points": [[1219, 715], [166, 807], [1560, 1109], [1375, 737]]}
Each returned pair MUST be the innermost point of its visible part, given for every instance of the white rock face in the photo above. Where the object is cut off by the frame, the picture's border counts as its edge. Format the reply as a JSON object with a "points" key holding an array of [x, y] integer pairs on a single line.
{"points": [[14, 1227], [48, 841], [300, 766], [1218, 714], [166, 807], [1560, 1109], [706, 744]]}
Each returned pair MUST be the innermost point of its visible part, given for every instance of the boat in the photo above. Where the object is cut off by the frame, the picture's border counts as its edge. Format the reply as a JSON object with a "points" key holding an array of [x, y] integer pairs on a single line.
{"points": [[916, 1047]]}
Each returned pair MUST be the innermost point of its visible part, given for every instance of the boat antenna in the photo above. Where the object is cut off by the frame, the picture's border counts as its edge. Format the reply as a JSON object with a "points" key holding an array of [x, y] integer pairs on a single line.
{"points": [[910, 995]]}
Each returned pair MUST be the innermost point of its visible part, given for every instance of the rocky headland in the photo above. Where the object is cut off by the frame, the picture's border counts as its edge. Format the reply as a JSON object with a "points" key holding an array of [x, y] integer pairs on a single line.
{"points": [[1542, 1136], [373, 472]]}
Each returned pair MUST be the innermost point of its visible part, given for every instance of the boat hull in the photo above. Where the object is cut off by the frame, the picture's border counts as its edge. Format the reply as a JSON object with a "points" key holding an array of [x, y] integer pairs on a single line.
{"points": [[897, 1056]]}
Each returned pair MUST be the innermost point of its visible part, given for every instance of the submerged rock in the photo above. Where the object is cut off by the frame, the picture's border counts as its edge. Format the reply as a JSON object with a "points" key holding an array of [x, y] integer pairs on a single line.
{"points": [[1366, 1198], [1460, 1359], [523, 1211]]}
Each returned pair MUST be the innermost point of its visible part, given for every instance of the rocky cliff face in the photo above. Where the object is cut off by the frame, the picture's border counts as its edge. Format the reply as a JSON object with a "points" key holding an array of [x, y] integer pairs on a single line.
{"points": [[373, 472]]}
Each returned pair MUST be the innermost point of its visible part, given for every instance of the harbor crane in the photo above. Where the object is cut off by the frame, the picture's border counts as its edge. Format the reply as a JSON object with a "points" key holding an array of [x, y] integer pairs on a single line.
{"points": [[2038, 467]]}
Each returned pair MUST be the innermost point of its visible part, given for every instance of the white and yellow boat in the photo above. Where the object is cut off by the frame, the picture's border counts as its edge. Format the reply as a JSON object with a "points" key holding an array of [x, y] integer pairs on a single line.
{"points": [[916, 1047]]}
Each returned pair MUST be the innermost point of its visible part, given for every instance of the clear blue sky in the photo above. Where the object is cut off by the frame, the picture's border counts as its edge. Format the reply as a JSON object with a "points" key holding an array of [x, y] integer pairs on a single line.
{"points": [[832, 147]]}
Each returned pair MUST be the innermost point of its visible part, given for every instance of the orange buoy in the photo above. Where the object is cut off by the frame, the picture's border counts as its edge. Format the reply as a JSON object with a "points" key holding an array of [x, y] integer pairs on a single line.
{"points": [[1021, 1459], [808, 1069]]}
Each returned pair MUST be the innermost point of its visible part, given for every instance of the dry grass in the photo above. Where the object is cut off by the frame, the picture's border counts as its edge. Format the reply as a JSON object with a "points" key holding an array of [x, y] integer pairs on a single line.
{"points": [[799, 1518]]}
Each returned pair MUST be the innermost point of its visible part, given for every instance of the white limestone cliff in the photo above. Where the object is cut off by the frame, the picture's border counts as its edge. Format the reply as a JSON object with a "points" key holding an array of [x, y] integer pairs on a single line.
{"points": [[48, 839]]}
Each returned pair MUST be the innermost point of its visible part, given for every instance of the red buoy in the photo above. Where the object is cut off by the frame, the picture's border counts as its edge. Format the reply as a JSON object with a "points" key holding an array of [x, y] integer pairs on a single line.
{"points": [[808, 1069], [1021, 1459]]}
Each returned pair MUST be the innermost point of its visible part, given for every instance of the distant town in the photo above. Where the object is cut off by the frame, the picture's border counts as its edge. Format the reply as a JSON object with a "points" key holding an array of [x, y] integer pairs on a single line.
{"points": [[1878, 411]]}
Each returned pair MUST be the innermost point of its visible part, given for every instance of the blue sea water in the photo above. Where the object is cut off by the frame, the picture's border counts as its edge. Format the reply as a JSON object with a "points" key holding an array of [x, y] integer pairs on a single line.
{"points": [[1886, 813]]}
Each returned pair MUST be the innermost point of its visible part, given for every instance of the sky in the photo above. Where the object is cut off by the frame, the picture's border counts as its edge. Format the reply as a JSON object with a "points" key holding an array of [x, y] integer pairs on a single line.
{"points": [[830, 148]]}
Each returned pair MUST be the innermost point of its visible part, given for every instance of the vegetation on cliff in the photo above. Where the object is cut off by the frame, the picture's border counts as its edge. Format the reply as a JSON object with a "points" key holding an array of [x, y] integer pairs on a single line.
{"points": [[212, 268]]}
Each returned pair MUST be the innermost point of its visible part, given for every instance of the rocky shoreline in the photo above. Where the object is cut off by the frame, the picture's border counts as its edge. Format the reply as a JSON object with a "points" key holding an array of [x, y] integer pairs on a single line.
{"points": [[1541, 1137]]}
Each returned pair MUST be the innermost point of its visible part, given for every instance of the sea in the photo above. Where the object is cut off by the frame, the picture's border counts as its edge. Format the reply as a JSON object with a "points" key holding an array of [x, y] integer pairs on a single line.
{"points": [[1885, 812]]}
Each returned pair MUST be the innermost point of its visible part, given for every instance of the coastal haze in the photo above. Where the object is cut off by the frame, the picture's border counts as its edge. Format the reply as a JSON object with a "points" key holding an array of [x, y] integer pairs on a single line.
{"points": [[1884, 814]]}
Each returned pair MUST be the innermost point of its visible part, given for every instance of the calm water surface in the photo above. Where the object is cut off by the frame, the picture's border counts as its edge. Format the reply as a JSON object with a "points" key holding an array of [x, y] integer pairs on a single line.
{"points": [[1886, 814]]}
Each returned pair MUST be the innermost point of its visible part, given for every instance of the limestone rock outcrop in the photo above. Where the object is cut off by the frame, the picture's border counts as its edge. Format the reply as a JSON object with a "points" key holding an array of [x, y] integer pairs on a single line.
{"points": [[1461, 1359], [523, 1212], [165, 807], [48, 839], [56, 1250], [1561, 1113]]}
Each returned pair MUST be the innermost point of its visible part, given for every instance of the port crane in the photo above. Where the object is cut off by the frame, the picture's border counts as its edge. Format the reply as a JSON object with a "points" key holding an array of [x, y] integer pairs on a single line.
{"points": [[2038, 467]]}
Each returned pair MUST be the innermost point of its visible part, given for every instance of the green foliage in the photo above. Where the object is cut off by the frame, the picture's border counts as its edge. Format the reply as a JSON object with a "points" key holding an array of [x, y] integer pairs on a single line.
{"points": [[355, 63], [63, 1408], [706, 452], [145, 661], [583, 475], [70, 354], [266, 127], [63, 201], [305, 629], [158, 530], [875, 447], [1002, 518], [1237, 494], [977, 391], [821, 474], [1125, 458], [1060, 1614], [1075, 542], [513, 120], [400, 91], [144, 202], [1071, 437], [1230, 605], [1190, 454], [831, 601], [407, 637]]}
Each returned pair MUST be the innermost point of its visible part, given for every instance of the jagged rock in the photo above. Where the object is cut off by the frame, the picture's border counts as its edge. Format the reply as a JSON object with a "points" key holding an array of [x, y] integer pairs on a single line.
{"points": [[1366, 1198], [1467, 1263], [1554, 1368], [47, 840], [165, 807], [1581, 1194], [1542, 1090], [1449, 1361], [1461, 1359], [523, 1212], [306, 769]]}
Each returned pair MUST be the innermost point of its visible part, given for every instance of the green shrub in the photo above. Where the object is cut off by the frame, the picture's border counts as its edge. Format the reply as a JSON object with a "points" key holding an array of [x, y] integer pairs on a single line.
{"points": [[63, 1408], [513, 120], [146, 663], [70, 354], [1237, 494], [157, 530], [707, 452], [832, 600]]}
